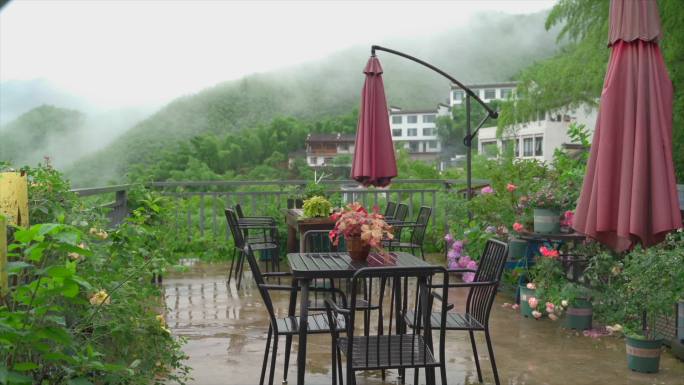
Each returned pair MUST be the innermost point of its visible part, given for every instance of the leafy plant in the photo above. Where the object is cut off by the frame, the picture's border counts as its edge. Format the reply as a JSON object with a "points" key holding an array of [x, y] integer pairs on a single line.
{"points": [[317, 206]]}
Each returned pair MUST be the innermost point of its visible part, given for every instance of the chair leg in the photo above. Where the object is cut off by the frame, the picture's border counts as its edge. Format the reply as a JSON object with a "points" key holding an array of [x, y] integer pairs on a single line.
{"points": [[288, 346], [232, 263], [442, 372], [422, 254], [339, 364], [491, 357], [273, 358], [268, 347], [239, 269], [477, 360], [333, 360]]}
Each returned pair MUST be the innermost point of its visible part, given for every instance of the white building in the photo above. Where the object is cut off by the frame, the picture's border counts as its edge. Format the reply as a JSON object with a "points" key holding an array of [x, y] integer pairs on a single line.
{"points": [[416, 130], [532, 140]]}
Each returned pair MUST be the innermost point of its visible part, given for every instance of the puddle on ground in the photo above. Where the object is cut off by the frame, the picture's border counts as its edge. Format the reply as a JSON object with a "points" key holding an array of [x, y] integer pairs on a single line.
{"points": [[226, 336]]}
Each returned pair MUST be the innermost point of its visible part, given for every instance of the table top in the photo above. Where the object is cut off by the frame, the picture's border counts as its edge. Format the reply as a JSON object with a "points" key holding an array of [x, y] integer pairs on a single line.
{"points": [[340, 265]]}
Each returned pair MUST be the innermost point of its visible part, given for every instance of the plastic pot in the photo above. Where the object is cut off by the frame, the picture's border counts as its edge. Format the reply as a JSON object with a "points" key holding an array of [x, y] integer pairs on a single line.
{"points": [[546, 221], [643, 355]]}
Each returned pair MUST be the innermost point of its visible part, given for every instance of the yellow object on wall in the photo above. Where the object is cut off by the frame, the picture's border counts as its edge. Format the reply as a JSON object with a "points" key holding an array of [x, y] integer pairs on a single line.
{"points": [[14, 198]]}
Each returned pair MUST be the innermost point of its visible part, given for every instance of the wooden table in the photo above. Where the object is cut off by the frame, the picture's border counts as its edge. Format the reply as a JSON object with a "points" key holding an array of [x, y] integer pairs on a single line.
{"points": [[306, 267], [297, 225]]}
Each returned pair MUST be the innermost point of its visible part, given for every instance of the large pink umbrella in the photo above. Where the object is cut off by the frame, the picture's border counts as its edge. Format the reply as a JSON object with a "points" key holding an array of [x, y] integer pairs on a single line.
{"points": [[629, 194], [374, 162]]}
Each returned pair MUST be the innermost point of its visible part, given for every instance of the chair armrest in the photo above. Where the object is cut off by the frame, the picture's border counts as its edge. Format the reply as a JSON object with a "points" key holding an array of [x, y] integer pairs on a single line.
{"points": [[461, 271], [331, 305], [439, 297], [474, 284], [257, 226]]}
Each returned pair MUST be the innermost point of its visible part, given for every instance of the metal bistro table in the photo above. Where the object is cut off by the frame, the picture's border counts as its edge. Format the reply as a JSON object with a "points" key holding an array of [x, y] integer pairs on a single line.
{"points": [[306, 267]]}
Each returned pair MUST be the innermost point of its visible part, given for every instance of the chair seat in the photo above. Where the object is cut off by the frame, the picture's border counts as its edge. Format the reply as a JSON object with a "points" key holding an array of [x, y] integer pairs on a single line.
{"points": [[454, 321], [388, 352], [318, 323], [361, 304]]}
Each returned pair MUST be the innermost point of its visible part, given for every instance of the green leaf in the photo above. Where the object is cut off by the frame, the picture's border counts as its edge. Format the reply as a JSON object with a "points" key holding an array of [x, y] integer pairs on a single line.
{"points": [[35, 253], [55, 334], [25, 366], [16, 266], [49, 228], [70, 289], [59, 272], [10, 377], [79, 381], [134, 364], [68, 237]]}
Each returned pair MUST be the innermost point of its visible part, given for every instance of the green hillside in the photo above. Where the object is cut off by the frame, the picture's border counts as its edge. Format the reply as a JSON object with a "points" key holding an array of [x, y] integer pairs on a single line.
{"points": [[495, 48]]}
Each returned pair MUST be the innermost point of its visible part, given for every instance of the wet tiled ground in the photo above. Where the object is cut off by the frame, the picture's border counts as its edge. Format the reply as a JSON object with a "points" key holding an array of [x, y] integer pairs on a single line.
{"points": [[226, 333]]}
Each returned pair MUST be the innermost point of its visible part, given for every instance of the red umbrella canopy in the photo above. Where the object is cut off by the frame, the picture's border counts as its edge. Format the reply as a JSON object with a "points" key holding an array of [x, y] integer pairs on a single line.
{"points": [[374, 162], [629, 194]]}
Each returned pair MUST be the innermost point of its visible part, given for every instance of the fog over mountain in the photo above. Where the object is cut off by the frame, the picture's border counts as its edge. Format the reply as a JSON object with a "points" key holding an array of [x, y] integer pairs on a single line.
{"points": [[491, 48]]}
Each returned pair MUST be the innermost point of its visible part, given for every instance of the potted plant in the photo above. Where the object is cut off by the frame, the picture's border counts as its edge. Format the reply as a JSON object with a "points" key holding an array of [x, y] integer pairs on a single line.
{"points": [[654, 282], [547, 208], [540, 295], [576, 299], [294, 197], [317, 206], [361, 230]]}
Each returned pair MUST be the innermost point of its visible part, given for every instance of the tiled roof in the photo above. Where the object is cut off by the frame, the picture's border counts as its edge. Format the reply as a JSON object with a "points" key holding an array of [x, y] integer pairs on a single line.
{"points": [[339, 138]]}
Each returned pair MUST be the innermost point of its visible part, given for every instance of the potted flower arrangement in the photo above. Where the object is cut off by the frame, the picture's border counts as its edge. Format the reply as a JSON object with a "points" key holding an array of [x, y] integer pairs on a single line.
{"points": [[539, 296], [317, 206], [547, 207], [579, 309], [361, 230]]}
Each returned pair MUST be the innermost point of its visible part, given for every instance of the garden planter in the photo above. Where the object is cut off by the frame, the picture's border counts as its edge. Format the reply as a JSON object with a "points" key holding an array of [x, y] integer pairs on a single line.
{"points": [[680, 320], [525, 294], [643, 355], [358, 250], [579, 315], [546, 221], [517, 249]]}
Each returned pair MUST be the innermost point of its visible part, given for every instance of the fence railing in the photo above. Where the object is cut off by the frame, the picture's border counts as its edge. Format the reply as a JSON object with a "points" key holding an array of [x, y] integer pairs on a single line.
{"points": [[199, 205]]}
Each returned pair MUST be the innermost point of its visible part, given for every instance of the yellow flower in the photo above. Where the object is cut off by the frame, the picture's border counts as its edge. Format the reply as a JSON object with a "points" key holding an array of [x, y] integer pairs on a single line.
{"points": [[161, 320], [76, 256], [101, 297], [98, 233]]}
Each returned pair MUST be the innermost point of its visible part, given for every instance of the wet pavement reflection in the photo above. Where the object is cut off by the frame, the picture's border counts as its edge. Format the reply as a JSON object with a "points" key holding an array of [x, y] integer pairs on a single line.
{"points": [[226, 330]]}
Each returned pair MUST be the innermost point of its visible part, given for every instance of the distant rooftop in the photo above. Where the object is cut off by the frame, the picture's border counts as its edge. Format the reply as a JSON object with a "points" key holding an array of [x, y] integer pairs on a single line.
{"points": [[487, 85], [338, 138], [394, 110]]}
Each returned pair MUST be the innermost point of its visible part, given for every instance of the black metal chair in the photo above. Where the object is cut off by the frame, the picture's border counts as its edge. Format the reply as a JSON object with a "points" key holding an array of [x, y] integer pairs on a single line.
{"points": [[237, 230], [417, 237], [392, 351], [482, 292], [286, 326], [246, 222], [390, 209]]}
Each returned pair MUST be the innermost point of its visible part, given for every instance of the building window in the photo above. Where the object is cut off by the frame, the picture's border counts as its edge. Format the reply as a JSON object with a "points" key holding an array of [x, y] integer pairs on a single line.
{"points": [[412, 132], [429, 118], [458, 96], [506, 92], [429, 131], [539, 146], [412, 119], [397, 120], [516, 150], [527, 147], [490, 94], [432, 144], [414, 146], [489, 148], [396, 132]]}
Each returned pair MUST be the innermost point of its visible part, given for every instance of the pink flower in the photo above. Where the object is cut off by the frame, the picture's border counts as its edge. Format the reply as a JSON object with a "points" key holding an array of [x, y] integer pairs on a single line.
{"points": [[533, 302], [518, 227], [567, 218], [469, 277], [448, 238], [536, 314], [457, 246], [531, 286], [553, 317], [549, 253], [506, 304], [550, 307], [453, 254], [511, 187], [515, 306], [453, 264], [487, 190]]}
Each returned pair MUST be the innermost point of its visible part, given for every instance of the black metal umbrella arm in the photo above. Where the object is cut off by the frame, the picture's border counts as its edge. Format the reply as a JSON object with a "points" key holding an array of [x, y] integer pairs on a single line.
{"points": [[468, 139]]}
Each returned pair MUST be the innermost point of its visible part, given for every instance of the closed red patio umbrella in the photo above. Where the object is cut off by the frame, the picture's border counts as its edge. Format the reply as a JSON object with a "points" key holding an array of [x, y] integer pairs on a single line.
{"points": [[374, 162], [629, 194]]}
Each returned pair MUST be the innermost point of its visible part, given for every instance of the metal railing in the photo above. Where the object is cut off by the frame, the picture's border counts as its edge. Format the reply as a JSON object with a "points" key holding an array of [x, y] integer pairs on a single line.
{"points": [[199, 205]]}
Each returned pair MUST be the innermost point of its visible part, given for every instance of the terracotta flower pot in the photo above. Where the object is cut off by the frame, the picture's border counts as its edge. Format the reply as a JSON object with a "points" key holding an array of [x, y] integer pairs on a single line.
{"points": [[358, 249]]}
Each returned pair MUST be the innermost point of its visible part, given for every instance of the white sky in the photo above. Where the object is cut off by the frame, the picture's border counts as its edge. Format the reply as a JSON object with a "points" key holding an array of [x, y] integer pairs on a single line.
{"points": [[123, 53]]}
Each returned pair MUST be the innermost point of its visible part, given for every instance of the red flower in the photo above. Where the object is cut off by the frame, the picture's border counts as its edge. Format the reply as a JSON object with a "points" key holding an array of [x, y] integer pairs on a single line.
{"points": [[549, 253], [518, 227], [511, 187]]}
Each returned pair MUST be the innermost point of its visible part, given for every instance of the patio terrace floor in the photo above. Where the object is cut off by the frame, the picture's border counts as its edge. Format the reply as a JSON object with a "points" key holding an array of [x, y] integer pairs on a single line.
{"points": [[226, 336]]}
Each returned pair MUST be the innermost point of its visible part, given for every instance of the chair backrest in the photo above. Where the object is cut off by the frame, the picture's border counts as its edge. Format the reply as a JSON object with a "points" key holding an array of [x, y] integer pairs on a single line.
{"points": [[401, 212], [390, 209], [232, 219], [238, 211], [371, 283], [491, 266], [418, 233], [256, 273], [318, 241]]}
